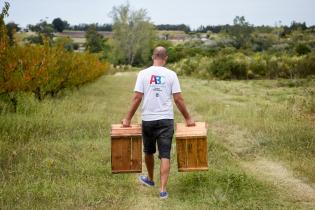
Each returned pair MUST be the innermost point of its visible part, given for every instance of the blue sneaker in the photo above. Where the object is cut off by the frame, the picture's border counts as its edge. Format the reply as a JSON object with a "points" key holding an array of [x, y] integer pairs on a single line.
{"points": [[145, 180], [163, 195]]}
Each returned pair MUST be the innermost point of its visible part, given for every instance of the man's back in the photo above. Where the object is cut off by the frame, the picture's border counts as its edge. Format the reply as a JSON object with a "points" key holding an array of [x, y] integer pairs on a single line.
{"points": [[157, 84]]}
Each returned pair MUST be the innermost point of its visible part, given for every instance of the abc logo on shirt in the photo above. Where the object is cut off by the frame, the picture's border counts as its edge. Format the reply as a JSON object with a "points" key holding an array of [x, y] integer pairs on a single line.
{"points": [[157, 80]]}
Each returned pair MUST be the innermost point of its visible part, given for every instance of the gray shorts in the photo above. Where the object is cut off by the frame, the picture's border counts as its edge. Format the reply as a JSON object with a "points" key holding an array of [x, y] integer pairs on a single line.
{"points": [[158, 132]]}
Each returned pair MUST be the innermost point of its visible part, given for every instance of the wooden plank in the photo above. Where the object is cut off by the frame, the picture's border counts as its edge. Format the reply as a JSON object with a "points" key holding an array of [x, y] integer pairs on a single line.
{"points": [[192, 160], [126, 153], [182, 131], [202, 152], [120, 154], [117, 130], [136, 154], [181, 153], [116, 154]]}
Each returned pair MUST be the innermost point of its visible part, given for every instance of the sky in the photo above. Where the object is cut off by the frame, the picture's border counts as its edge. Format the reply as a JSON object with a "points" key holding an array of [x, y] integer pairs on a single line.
{"points": [[193, 13]]}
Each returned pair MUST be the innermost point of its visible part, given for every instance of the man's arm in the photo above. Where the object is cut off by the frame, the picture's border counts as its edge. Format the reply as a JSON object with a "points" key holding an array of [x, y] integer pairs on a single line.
{"points": [[179, 101], [134, 106]]}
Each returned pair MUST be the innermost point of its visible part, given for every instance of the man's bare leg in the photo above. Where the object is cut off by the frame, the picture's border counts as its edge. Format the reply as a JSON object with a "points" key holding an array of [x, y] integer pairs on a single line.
{"points": [[149, 162], [164, 172]]}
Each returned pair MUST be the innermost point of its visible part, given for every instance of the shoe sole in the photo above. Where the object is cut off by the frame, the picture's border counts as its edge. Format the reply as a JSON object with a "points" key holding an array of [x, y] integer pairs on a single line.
{"points": [[144, 183], [165, 197]]}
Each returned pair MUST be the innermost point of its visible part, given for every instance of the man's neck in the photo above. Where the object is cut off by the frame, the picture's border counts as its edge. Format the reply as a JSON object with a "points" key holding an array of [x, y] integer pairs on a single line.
{"points": [[159, 63]]}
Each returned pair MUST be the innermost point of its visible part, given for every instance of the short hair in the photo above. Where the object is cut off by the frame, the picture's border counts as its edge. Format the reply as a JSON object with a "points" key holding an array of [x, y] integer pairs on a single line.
{"points": [[160, 53]]}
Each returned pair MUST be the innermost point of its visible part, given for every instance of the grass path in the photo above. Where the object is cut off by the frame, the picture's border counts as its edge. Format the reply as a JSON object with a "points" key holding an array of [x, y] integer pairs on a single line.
{"points": [[56, 154], [239, 142], [274, 172]]}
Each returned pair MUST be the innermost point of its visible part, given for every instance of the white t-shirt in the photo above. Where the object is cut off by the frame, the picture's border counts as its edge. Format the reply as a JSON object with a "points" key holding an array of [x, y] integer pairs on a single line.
{"points": [[157, 85]]}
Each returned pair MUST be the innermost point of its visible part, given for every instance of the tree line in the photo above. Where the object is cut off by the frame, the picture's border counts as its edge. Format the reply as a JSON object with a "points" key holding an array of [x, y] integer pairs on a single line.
{"points": [[60, 25]]}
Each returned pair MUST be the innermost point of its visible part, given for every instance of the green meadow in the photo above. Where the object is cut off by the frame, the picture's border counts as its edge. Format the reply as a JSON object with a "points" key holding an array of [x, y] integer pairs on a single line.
{"points": [[55, 154]]}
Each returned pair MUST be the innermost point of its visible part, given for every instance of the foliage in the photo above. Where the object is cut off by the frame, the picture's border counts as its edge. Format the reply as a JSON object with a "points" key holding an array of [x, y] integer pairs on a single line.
{"points": [[67, 42], [302, 49], [241, 31], [293, 27], [59, 24], [3, 30], [12, 28], [43, 30], [170, 27], [241, 66], [133, 35], [229, 67], [94, 41], [34, 39], [263, 41], [85, 27], [186, 50], [46, 70]]}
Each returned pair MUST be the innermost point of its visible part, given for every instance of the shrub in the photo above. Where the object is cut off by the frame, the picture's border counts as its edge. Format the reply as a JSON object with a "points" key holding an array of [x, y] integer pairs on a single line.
{"points": [[228, 67], [233, 65], [46, 70], [302, 49], [258, 66]]}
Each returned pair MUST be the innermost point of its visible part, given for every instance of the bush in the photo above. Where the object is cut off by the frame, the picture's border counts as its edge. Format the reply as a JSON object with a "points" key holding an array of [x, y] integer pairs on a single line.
{"points": [[306, 66], [46, 70], [230, 65], [258, 66], [302, 49]]}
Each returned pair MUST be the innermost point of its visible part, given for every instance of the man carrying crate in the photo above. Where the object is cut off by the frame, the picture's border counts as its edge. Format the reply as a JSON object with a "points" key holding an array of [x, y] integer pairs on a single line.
{"points": [[156, 85]]}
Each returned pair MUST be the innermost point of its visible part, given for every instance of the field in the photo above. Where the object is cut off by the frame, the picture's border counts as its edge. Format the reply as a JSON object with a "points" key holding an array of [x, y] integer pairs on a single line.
{"points": [[55, 154]]}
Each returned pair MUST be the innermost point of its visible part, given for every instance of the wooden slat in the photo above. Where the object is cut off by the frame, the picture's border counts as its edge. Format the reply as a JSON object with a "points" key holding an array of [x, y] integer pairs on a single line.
{"points": [[181, 153], [126, 152], [116, 154], [136, 157], [117, 130], [192, 160], [202, 153], [183, 131]]}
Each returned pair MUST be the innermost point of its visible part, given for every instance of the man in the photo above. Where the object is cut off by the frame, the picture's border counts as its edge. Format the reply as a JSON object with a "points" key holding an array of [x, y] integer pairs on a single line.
{"points": [[156, 85]]}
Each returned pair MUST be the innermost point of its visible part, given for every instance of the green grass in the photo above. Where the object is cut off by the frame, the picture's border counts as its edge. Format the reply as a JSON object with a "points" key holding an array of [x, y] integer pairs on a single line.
{"points": [[278, 119], [56, 154]]}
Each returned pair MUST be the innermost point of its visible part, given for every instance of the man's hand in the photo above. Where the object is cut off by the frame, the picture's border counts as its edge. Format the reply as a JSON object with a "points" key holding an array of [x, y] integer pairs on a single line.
{"points": [[190, 122], [125, 122]]}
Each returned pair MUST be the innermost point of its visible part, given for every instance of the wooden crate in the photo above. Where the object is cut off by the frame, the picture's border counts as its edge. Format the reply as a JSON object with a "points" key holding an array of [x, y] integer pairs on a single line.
{"points": [[191, 147], [126, 149]]}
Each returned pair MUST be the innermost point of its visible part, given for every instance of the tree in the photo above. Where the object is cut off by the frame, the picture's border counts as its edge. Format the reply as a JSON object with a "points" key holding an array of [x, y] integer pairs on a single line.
{"points": [[59, 25], [169, 27], [11, 29], [133, 35], [43, 29], [241, 31], [94, 41], [3, 30]]}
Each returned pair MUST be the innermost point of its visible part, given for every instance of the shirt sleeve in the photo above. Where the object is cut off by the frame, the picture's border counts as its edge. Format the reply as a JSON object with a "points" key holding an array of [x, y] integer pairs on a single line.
{"points": [[176, 85], [139, 84]]}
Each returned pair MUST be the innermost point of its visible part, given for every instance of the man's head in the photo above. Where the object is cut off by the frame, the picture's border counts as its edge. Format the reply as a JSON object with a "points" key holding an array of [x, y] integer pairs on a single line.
{"points": [[159, 54]]}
